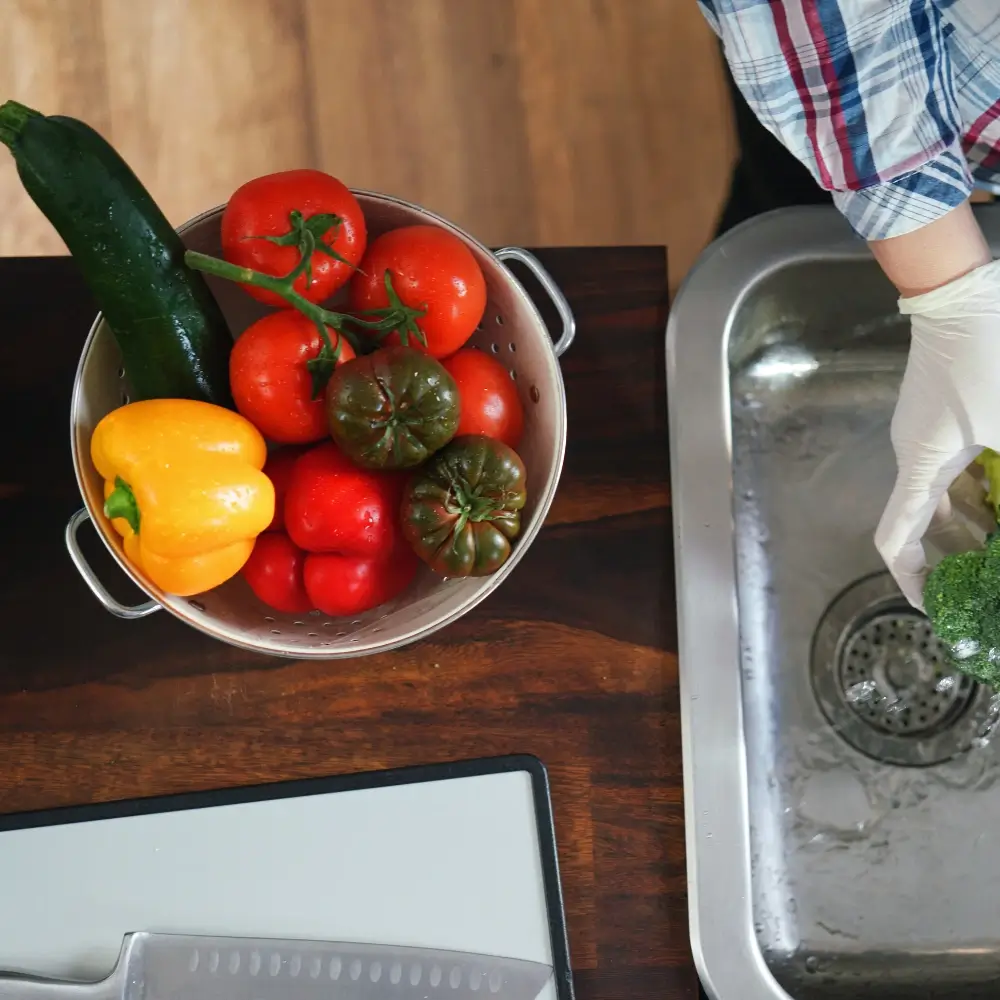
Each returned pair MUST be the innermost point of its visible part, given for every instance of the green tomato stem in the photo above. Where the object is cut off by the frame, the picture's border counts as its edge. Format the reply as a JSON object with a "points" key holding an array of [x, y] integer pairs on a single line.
{"points": [[280, 286], [396, 316]]}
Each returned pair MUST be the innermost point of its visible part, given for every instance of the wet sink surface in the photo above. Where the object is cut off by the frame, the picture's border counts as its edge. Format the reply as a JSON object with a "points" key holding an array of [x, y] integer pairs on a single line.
{"points": [[843, 816]]}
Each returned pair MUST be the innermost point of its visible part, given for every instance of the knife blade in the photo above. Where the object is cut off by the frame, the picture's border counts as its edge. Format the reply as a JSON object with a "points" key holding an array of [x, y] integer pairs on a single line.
{"points": [[181, 967]]}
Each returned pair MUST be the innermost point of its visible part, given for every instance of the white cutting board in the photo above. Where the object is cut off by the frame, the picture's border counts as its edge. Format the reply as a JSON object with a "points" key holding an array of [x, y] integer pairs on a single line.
{"points": [[451, 863]]}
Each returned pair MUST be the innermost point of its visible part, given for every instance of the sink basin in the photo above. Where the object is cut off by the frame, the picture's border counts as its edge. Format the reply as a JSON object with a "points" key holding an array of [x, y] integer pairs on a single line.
{"points": [[841, 796]]}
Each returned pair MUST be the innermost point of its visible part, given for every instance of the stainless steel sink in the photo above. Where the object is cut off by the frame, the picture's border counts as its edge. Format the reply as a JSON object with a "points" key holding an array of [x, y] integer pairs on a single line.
{"points": [[842, 805]]}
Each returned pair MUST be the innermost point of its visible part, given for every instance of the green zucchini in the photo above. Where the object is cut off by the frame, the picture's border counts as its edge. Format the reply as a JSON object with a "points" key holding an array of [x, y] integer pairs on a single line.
{"points": [[171, 331]]}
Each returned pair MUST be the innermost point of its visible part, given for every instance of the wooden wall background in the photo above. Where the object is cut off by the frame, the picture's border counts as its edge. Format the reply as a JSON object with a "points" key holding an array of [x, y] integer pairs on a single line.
{"points": [[538, 122]]}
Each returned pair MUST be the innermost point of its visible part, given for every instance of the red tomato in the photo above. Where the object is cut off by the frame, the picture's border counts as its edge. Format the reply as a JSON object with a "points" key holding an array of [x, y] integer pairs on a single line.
{"points": [[333, 506], [264, 208], [429, 267], [348, 585], [274, 572], [489, 403], [279, 470], [271, 383]]}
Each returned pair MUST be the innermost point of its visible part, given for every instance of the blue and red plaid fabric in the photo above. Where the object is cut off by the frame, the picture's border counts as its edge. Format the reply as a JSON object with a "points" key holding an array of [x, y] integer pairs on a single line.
{"points": [[893, 105]]}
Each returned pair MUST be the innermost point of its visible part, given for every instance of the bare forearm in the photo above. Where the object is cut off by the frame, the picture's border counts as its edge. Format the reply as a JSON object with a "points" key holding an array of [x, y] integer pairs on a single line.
{"points": [[935, 254]]}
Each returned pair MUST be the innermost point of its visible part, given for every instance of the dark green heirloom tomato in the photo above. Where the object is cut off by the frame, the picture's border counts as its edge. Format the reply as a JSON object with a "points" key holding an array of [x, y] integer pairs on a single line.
{"points": [[462, 509], [392, 409]]}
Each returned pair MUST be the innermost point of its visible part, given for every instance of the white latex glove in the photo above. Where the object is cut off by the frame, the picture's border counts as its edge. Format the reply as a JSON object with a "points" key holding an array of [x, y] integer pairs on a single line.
{"points": [[948, 411]]}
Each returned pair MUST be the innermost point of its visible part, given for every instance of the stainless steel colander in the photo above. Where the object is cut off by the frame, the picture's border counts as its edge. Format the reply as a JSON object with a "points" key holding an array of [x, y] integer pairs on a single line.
{"points": [[512, 330]]}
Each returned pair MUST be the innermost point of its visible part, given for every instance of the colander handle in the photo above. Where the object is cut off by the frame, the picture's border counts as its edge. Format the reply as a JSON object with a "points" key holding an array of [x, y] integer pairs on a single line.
{"points": [[554, 292], [98, 589]]}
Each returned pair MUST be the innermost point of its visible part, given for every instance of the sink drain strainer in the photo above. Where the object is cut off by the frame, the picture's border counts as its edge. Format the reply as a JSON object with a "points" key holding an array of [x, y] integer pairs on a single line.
{"points": [[884, 681]]}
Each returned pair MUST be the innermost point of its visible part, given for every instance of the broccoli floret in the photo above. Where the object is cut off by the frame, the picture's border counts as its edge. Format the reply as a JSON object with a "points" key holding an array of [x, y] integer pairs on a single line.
{"points": [[990, 461], [962, 601]]}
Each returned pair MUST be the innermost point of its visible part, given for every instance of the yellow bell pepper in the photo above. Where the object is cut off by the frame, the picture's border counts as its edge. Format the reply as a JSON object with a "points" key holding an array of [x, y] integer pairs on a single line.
{"points": [[183, 486]]}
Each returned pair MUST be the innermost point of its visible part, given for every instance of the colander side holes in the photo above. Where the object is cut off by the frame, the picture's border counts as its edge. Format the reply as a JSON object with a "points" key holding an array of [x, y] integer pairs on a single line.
{"points": [[534, 394]]}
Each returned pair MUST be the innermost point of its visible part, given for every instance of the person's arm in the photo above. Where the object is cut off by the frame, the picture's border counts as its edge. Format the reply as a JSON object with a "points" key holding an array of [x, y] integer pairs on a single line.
{"points": [[860, 91], [935, 254]]}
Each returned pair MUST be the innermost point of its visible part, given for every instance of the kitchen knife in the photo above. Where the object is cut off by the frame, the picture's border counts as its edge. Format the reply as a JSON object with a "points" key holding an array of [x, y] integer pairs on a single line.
{"points": [[179, 967]]}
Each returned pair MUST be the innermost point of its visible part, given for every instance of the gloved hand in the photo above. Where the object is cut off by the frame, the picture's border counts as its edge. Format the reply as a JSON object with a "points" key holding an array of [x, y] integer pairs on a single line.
{"points": [[948, 411]]}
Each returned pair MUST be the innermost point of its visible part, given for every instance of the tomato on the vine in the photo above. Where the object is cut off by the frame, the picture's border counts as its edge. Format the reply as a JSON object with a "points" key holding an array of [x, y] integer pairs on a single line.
{"points": [[264, 227], [277, 375], [489, 403], [428, 268]]}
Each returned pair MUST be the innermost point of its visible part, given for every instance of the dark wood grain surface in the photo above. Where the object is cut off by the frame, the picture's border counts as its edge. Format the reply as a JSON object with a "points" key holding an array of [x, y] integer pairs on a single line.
{"points": [[573, 659]]}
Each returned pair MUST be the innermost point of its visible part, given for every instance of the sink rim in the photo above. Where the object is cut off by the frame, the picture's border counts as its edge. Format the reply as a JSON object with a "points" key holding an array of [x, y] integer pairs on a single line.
{"points": [[716, 811]]}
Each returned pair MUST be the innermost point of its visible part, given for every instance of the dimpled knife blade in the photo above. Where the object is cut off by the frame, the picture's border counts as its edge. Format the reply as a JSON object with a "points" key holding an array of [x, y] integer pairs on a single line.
{"points": [[178, 967]]}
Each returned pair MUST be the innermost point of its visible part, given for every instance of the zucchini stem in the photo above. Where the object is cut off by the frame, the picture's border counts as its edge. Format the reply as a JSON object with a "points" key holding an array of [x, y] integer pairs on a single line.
{"points": [[13, 118]]}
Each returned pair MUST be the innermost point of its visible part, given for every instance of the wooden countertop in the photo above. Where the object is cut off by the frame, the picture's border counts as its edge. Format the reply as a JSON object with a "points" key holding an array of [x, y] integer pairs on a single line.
{"points": [[573, 659]]}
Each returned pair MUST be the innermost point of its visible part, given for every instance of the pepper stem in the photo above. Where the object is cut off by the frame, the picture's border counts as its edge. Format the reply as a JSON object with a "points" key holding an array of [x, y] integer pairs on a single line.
{"points": [[13, 118], [122, 503]]}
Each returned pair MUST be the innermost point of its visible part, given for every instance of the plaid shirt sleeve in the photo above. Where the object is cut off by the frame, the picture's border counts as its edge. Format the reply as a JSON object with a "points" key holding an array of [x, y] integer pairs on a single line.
{"points": [[862, 92]]}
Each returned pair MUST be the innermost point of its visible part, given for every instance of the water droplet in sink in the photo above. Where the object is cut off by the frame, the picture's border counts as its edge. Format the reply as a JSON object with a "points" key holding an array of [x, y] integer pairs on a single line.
{"points": [[861, 692], [812, 964], [965, 648], [990, 724]]}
